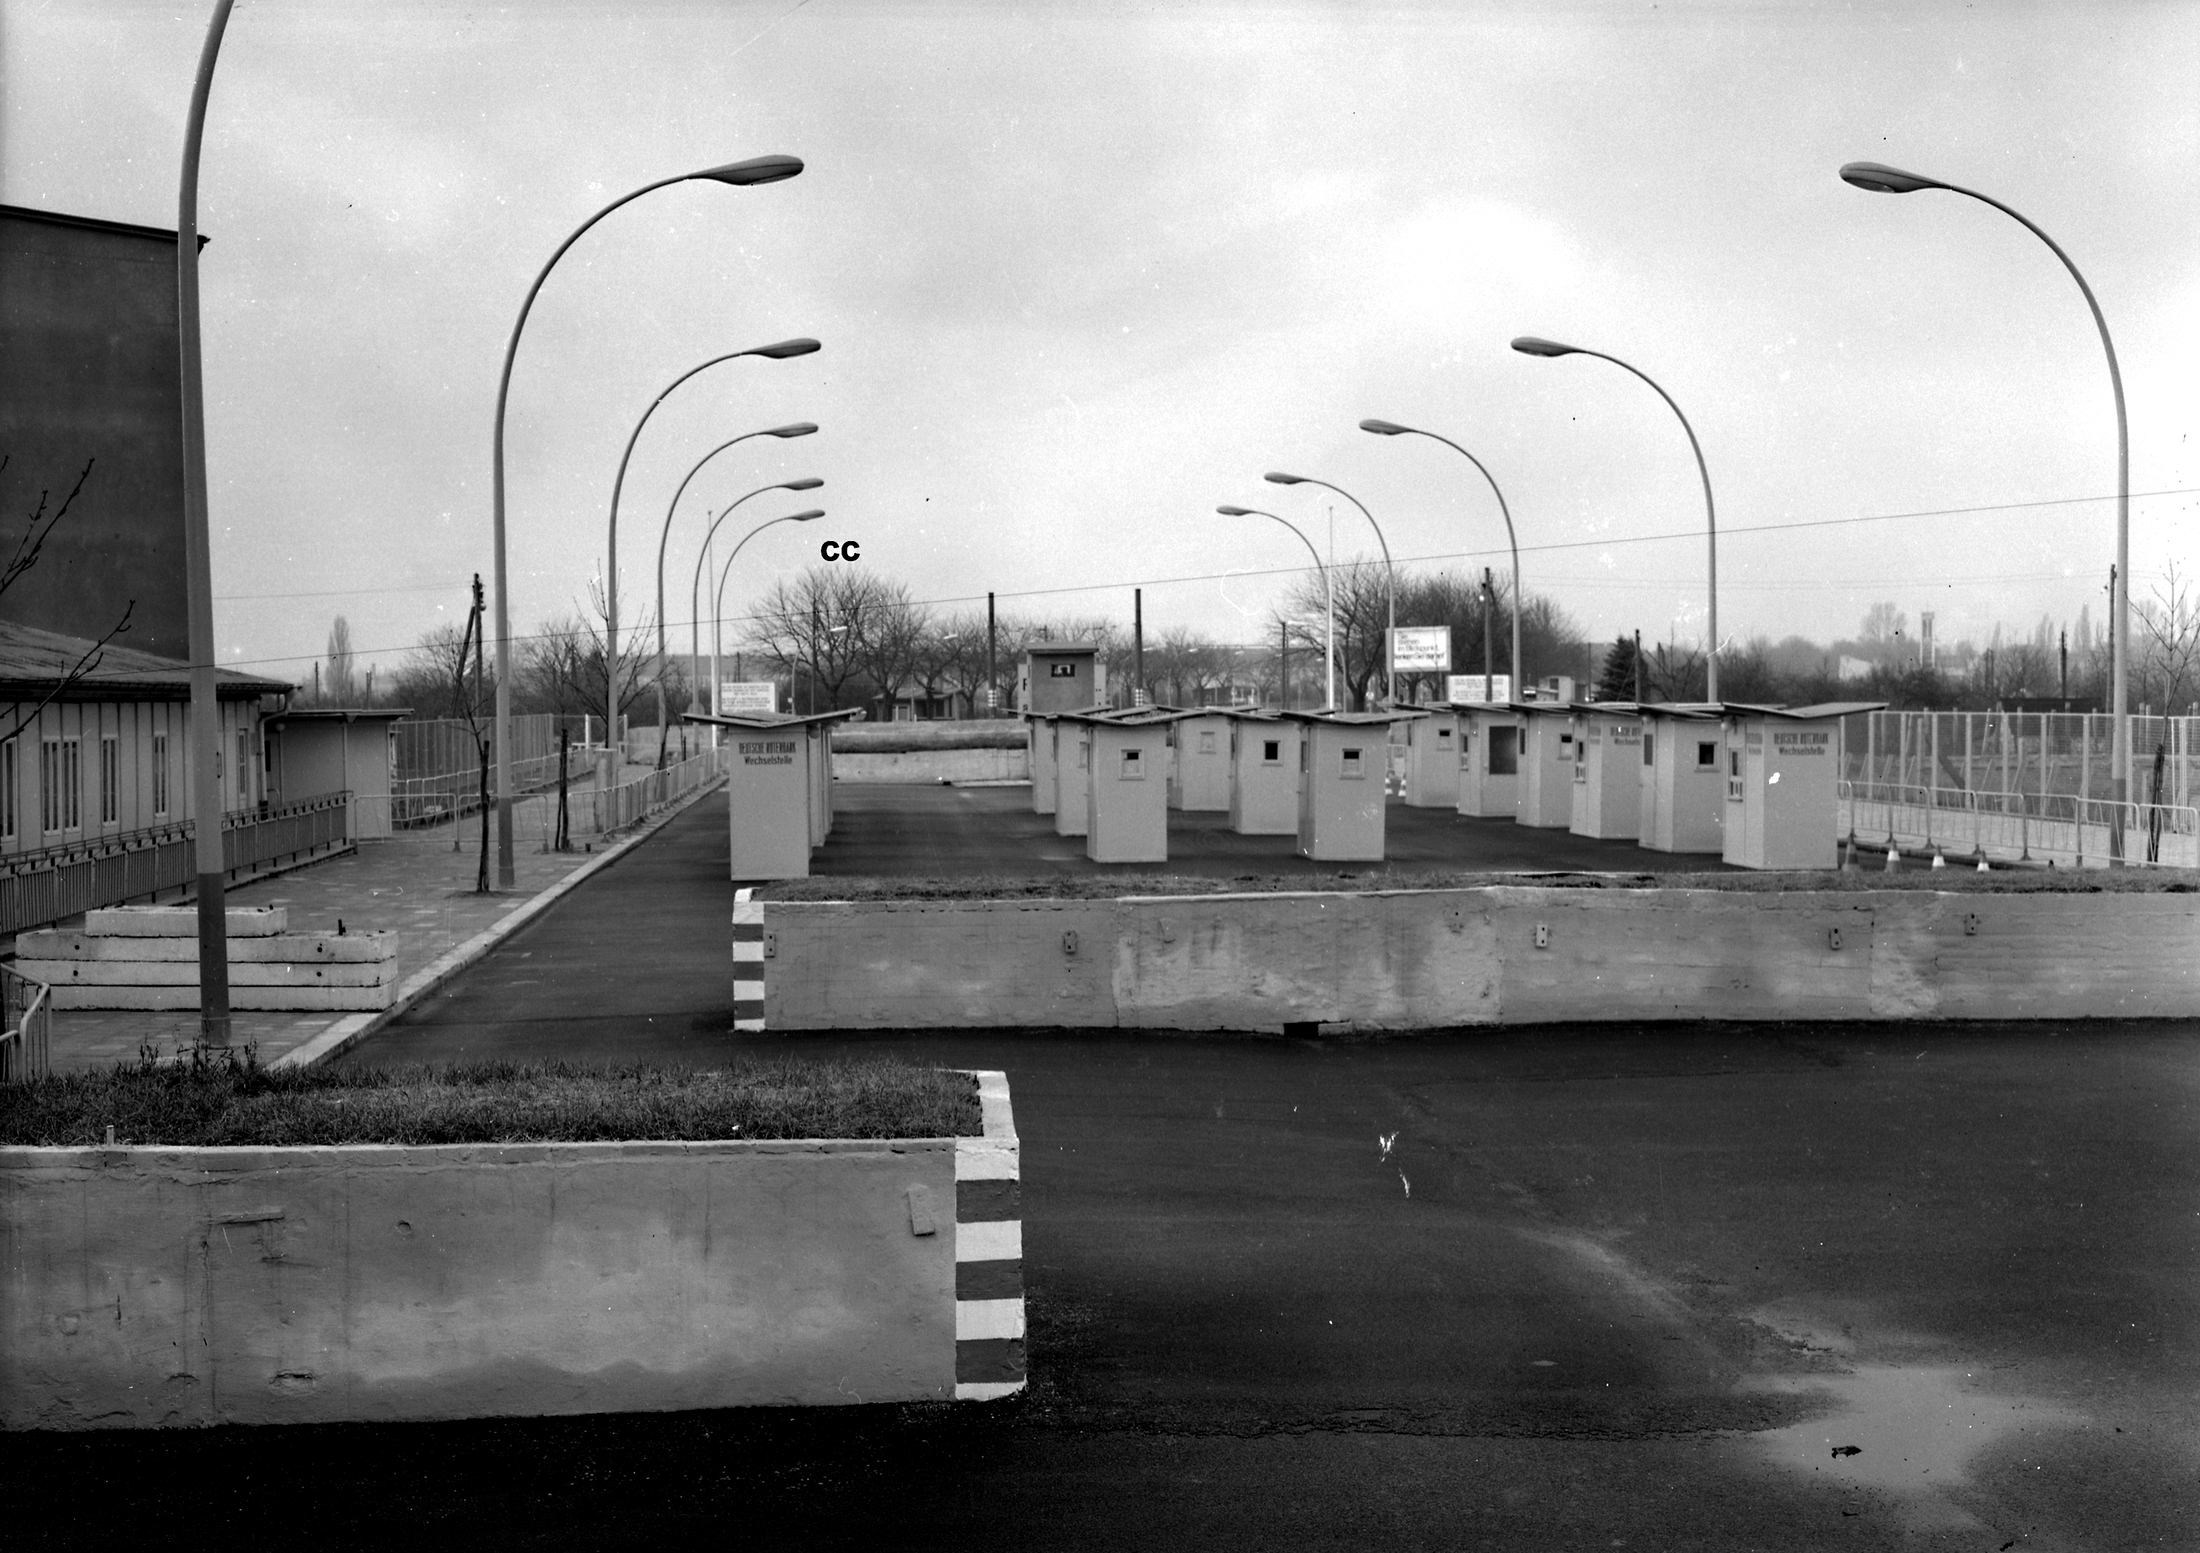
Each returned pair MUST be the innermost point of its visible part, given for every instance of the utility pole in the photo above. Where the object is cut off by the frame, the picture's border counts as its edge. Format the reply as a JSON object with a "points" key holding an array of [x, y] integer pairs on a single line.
{"points": [[1489, 638], [992, 675], [2064, 639], [481, 872], [1638, 668], [1138, 643], [1283, 664]]}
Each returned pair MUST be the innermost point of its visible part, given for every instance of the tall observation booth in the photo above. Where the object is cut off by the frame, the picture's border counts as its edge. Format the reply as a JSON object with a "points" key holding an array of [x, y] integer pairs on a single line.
{"points": [[1783, 773], [1061, 677]]}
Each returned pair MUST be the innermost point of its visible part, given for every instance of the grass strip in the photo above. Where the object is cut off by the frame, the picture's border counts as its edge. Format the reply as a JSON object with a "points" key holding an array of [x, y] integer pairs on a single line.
{"points": [[226, 1099]]}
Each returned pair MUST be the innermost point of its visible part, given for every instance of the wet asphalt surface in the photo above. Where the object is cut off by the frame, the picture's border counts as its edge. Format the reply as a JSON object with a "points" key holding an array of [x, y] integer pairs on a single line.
{"points": [[1581, 1287]]}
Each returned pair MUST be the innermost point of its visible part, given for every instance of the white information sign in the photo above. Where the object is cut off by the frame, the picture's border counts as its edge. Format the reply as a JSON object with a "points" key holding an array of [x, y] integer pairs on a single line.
{"points": [[1468, 687], [760, 695], [1421, 649]]}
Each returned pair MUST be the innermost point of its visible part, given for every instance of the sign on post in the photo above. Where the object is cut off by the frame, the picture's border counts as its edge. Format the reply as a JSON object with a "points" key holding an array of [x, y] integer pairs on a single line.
{"points": [[761, 695], [1420, 650], [1468, 687]]}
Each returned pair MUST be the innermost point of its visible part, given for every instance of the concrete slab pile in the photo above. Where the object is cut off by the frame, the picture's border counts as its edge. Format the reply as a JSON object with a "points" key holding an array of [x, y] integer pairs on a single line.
{"points": [[147, 957]]}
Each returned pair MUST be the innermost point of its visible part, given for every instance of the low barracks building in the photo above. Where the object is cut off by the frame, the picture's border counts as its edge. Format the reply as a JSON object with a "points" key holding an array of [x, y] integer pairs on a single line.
{"points": [[107, 754]]}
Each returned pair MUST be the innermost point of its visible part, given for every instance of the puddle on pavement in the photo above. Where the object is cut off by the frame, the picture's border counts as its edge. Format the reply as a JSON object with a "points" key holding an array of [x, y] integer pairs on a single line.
{"points": [[1907, 1430]]}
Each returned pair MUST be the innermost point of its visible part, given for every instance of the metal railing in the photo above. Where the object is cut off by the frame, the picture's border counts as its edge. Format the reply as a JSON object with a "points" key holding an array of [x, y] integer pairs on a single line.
{"points": [[37, 888], [2067, 830], [2042, 755], [26, 1042], [591, 809]]}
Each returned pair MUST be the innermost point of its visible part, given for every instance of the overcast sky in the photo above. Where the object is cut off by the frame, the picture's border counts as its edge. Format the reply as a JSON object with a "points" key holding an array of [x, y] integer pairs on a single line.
{"points": [[1084, 272]]}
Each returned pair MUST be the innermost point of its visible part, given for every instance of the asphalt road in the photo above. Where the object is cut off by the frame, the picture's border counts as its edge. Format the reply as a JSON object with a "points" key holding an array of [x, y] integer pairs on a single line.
{"points": [[933, 831], [1563, 1288]]}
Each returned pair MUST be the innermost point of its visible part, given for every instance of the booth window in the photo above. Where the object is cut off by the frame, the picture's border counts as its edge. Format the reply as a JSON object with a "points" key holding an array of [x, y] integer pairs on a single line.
{"points": [[1443, 735], [110, 780], [160, 773], [1133, 769], [8, 759], [1649, 743], [1504, 751], [1271, 752], [60, 784], [1733, 763], [1206, 741], [1351, 763], [1707, 756], [1080, 754]]}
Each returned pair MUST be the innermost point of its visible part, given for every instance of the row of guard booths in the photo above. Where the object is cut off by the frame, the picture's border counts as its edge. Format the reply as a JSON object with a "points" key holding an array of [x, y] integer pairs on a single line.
{"points": [[1758, 786], [1111, 775], [779, 788]]}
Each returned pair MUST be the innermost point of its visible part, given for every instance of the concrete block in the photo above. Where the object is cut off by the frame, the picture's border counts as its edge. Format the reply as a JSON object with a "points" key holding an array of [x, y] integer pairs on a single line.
{"points": [[171, 973], [319, 948], [182, 921], [303, 999]]}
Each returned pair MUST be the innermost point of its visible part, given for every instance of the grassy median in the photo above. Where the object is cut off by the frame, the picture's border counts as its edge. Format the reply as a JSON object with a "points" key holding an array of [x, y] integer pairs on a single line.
{"points": [[228, 1099]]}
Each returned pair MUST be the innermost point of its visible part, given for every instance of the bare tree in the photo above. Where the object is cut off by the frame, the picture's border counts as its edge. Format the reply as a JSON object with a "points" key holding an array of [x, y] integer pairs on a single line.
{"points": [[342, 687], [889, 633], [37, 528], [2165, 656], [809, 627]]}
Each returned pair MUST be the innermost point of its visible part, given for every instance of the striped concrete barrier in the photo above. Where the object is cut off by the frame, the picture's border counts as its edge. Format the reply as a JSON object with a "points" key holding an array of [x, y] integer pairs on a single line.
{"points": [[748, 961], [989, 1252]]}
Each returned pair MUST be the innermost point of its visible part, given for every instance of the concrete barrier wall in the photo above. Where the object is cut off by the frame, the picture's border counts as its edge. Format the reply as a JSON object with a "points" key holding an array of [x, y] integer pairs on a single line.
{"points": [[153, 1286], [982, 765], [1510, 955]]}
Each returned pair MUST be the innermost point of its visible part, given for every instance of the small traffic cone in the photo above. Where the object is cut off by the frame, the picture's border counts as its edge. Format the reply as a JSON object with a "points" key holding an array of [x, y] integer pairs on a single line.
{"points": [[1982, 868], [1894, 858], [1938, 860]]}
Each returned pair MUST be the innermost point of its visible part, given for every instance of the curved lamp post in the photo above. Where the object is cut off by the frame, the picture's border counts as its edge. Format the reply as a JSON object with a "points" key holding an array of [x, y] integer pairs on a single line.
{"points": [[204, 728], [1329, 599], [1878, 178], [782, 351], [759, 169], [1530, 345], [695, 624], [1390, 677], [1393, 429], [718, 598], [798, 429]]}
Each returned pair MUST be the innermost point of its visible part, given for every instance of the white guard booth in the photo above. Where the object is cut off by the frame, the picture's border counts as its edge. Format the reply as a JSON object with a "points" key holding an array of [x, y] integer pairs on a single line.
{"points": [[1607, 771], [1783, 783], [1264, 774], [1432, 760], [1199, 781], [778, 789], [1545, 789], [1683, 787], [1343, 763], [1489, 760], [1039, 745], [1072, 750], [1126, 786]]}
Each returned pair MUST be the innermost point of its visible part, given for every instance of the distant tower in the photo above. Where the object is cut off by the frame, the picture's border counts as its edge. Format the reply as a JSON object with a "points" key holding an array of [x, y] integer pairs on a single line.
{"points": [[1925, 638]]}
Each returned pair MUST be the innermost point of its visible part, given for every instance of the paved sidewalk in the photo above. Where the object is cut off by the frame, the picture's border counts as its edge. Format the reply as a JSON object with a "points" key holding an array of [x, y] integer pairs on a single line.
{"points": [[414, 882]]}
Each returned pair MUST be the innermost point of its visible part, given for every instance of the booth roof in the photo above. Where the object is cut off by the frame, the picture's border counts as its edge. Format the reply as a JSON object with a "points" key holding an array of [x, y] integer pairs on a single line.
{"points": [[1030, 716], [338, 714], [1041, 649], [1129, 716], [1824, 709], [1693, 711], [767, 720], [1403, 714]]}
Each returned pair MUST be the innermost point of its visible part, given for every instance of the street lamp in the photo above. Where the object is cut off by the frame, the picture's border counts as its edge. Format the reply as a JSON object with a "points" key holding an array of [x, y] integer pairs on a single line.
{"points": [[808, 483], [1881, 179], [798, 429], [718, 598], [1530, 345], [782, 351], [1390, 677], [759, 169], [204, 728], [1393, 429], [1329, 599]]}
